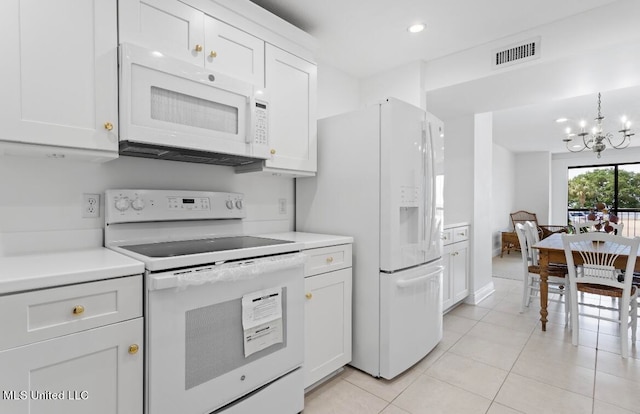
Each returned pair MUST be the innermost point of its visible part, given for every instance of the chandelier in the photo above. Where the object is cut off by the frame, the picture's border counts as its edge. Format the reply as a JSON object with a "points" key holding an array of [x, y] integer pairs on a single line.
{"points": [[595, 140]]}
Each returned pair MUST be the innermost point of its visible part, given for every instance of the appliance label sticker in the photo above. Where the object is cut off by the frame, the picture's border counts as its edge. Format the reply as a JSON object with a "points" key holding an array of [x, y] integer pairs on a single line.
{"points": [[261, 320]]}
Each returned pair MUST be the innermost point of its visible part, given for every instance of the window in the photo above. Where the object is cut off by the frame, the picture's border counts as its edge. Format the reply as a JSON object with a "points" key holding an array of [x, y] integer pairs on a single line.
{"points": [[614, 186]]}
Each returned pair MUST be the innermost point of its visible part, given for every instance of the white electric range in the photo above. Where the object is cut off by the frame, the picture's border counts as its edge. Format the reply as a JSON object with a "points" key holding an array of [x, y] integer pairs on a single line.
{"points": [[223, 310]]}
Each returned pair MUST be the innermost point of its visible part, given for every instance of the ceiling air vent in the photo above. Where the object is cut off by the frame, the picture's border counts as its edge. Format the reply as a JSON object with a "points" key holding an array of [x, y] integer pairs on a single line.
{"points": [[516, 53]]}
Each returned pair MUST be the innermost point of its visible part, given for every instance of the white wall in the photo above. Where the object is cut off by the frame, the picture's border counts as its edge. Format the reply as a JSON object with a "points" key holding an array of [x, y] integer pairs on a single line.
{"points": [[533, 192], [503, 194], [458, 170], [404, 83], [338, 92], [40, 194]]}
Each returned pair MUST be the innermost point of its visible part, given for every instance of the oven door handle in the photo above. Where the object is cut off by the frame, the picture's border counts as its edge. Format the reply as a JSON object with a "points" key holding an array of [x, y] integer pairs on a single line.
{"points": [[226, 272]]}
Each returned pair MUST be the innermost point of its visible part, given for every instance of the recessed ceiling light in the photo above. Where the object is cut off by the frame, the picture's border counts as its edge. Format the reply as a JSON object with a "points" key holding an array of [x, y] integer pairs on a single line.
{"points": [[416, 28], [561, 120]]}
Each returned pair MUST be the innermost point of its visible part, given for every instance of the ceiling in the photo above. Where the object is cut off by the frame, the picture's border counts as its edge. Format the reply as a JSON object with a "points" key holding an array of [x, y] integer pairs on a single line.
{"points": [[363, 38]]}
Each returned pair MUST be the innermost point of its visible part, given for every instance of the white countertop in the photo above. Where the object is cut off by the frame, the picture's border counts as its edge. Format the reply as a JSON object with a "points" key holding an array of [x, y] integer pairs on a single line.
{"points": [[43, 270], [450, 226], [311, 240]]}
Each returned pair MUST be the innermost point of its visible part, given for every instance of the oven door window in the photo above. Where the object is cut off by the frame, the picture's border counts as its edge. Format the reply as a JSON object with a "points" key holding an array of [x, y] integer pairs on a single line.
{"points": [[215, 331]]}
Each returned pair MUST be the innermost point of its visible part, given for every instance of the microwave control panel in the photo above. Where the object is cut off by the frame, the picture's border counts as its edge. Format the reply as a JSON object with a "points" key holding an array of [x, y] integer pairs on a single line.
{"points": [[261, 131]]}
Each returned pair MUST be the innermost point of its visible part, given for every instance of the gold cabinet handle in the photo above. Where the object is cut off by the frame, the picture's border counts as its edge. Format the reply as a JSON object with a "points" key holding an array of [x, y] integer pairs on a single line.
{"points": [[273, 152], [213, 54], [198, 48], [308, 295], [133, 349], [78, 310], [329, 259], [108, 126]]}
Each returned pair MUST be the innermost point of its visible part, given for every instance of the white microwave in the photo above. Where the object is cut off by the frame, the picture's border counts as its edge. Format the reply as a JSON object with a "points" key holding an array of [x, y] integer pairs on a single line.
{"points": [[174, 110]]}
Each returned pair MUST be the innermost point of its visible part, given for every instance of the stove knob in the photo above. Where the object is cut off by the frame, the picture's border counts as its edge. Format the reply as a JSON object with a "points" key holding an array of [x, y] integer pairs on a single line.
{"points": [[137, 204], [230, 204], [239, 204], [122, 204]]}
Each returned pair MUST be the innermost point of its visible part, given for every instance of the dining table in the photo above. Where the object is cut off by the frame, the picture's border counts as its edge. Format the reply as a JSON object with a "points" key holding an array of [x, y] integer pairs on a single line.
{"points": [[552, 251]]}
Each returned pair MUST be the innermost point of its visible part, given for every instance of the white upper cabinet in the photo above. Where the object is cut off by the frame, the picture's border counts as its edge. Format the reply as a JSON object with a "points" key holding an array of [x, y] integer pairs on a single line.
{"points": [[233, 52], [59, 77], [165, 25], [189, 34], [291, 84]]}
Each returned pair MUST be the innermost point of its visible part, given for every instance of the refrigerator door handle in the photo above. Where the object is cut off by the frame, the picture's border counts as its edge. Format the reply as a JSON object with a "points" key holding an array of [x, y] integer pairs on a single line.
{"points": [[403, 283], [425, 244]]}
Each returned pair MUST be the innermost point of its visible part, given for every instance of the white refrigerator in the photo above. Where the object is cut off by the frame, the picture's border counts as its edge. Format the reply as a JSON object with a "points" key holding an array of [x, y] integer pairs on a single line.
{"points": [[380, 179]]}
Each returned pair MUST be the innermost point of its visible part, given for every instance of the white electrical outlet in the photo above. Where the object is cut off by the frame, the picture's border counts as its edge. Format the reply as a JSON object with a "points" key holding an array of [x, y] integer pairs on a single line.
{"points": [[282, 206], [90, 205]]}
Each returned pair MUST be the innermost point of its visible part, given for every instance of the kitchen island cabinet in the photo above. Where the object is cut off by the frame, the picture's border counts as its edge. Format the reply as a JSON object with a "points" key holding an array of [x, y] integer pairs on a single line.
{"points": [[59, 79]]}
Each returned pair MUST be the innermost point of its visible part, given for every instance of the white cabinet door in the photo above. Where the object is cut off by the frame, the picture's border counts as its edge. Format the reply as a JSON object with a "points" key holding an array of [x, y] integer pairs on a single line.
{"points": [[168, 26], [233, 52], [291, 83], [58, 75], [94, 371], [459, 271], [327, 324]]}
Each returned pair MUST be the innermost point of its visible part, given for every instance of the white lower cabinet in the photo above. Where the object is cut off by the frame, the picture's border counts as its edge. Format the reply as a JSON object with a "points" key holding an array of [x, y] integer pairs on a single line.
{"points": [[97, 370], [327, 311], [455, 258]]}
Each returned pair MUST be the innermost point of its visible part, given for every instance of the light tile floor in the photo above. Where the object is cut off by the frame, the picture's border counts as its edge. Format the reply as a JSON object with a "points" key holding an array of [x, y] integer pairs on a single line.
{"points": [[495, 360]]}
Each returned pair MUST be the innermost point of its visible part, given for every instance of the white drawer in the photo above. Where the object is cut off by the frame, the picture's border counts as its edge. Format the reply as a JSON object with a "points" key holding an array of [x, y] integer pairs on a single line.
{"points": [[48, 313], [447, 236], [460, 234], [327, 259]]}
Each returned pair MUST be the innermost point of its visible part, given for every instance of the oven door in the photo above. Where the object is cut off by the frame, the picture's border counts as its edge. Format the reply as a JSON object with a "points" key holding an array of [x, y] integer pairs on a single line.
{"points": [[165, 102], [196, 354]]}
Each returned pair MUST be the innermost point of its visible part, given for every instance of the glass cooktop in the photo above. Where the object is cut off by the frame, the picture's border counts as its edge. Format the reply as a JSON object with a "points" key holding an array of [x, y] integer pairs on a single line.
{"points": [[187, 247]]}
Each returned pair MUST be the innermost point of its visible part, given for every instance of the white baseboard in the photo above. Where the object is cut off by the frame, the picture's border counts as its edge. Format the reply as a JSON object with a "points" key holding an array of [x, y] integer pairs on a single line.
{"points": [[481, 294]]}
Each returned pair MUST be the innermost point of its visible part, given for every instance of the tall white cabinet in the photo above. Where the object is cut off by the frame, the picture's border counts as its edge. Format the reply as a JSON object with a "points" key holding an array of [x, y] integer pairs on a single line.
{"points": [[455, 258], [59, 78]]}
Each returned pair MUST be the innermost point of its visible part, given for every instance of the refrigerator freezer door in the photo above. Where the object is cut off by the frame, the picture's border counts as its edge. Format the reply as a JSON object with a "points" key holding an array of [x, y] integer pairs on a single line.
{"points": [[410, 316], [404, 193]]}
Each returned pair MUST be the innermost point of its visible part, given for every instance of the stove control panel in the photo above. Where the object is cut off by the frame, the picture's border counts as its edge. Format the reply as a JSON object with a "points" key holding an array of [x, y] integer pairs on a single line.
{"points": [[128, 206]]}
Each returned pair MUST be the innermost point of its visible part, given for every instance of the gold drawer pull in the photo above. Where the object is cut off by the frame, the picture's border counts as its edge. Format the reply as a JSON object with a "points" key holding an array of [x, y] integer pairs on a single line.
{"points": [[273, 152], [78, 310], [133, 349], [108, 126], [198, 48], [308, 295], [213, 54], [329, 260]]}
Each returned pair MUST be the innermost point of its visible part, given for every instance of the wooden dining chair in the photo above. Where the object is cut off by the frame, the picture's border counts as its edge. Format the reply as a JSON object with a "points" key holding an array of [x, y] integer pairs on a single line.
{"points": [[597, 273], [557, 281]]}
